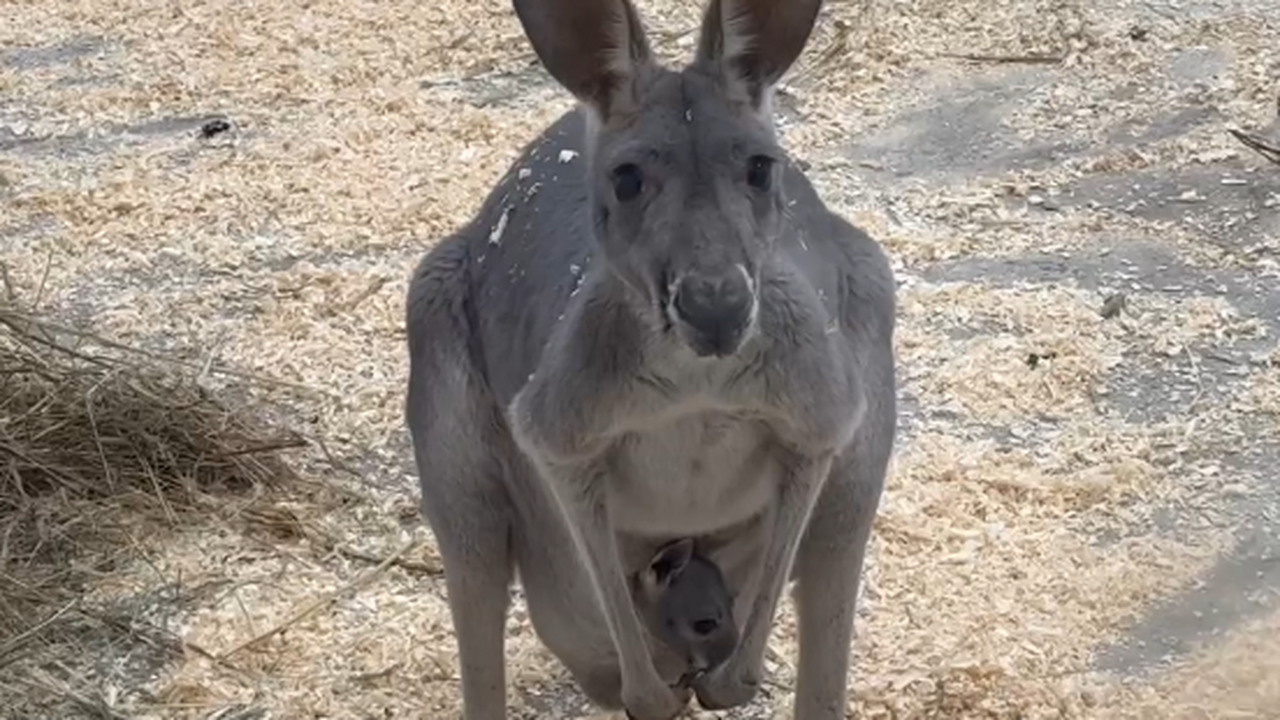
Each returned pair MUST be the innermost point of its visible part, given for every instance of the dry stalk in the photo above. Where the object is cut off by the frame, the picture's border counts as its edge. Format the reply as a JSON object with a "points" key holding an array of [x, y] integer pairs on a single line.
{"points": [[321, 602], [1270, 151]]}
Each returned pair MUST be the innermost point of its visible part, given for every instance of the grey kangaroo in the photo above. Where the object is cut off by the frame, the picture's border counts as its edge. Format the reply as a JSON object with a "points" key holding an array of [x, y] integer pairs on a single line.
{"points": [[683, 600], [654, 329]]}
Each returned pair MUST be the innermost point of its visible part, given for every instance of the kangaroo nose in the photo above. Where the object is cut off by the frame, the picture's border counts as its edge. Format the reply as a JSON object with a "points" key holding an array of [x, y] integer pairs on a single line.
{"points": [[717, 307]]}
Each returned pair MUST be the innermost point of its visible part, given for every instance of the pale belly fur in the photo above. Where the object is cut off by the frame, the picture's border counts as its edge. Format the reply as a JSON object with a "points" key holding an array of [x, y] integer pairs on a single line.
{"points": [[692, 477]]}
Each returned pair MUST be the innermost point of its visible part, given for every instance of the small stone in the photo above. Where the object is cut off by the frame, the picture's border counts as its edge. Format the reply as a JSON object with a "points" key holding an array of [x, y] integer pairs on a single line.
{"points": [[1112, 306], [214, 127]]}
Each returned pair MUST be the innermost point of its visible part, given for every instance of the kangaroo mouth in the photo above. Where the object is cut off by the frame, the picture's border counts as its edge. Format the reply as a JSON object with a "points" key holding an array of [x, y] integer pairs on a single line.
{"points": [[663, 297], [689, 678]]}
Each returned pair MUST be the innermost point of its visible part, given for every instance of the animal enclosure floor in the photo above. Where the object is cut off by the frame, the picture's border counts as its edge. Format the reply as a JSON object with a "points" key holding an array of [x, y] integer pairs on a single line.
{"points": [[1082, 516]]}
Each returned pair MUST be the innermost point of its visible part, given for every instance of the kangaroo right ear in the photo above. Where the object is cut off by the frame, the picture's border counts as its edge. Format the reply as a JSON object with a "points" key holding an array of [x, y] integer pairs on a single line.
{"points": [[670, 560], [596, 49]]}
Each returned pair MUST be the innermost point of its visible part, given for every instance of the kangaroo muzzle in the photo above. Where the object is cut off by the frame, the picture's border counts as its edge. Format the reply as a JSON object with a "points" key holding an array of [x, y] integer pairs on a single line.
{"points": [[717, 311]]}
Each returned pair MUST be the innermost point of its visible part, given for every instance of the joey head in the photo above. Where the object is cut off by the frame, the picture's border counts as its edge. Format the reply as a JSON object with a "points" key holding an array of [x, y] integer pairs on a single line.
{"points": [[683, 600]]}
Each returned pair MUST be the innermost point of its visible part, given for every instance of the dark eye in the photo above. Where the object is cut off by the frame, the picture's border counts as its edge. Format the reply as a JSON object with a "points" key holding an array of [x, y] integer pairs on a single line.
{"points": [[760, 172], [628, 181]]}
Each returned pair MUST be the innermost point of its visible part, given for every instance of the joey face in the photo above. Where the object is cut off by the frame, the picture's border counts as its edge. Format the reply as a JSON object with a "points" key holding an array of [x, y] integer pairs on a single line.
{"points": [[684, 602]]}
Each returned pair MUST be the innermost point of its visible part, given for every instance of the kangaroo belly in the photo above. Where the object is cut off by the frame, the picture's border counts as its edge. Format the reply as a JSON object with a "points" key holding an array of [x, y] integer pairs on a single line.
{"points": [[693, 476]]}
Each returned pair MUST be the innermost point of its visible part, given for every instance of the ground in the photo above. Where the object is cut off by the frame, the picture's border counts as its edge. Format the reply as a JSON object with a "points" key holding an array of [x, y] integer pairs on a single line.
{"points": [[1081, 520]]}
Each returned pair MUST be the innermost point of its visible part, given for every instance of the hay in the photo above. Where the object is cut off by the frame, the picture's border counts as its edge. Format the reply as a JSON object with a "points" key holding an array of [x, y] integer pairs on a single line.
{"points": [[101, 448]]}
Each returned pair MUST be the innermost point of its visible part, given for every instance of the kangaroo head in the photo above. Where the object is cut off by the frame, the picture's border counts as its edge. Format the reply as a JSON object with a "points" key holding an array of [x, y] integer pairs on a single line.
{"points": [[684, 168]]}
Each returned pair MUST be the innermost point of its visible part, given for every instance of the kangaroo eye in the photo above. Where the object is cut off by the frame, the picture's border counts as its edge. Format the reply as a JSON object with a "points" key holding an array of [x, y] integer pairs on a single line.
{"points": [[760, 172], [628, 181]]}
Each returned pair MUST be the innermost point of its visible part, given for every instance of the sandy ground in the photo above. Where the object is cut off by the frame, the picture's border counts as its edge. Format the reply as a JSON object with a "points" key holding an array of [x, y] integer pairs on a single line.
{"points": [[1082, 517]]}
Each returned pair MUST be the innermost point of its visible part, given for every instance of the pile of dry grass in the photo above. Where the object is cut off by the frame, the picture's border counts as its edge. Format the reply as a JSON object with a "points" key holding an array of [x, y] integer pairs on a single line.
{"points": [[101, 447]]}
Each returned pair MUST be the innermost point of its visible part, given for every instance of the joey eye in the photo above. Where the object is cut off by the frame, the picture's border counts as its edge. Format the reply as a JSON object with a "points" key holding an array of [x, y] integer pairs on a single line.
{"points": [[628, 181], [760, 172]]}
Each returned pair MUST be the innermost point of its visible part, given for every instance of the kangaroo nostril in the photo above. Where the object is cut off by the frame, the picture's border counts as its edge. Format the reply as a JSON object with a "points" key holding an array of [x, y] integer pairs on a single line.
{"points": [[705, 626], [690, 300]]}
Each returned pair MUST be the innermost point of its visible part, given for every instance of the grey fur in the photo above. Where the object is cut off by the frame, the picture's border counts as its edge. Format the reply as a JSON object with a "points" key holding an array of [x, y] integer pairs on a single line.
{"points": [[595, 372], [683, 600]]}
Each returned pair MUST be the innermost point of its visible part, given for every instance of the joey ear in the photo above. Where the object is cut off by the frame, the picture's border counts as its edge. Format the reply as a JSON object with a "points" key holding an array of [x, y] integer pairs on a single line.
{"points": [[596, 49], [670, 560], [752, 43]]}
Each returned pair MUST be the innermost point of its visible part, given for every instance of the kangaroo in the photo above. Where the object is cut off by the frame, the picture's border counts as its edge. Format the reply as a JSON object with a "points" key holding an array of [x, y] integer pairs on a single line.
{"points": [[682, 598], [653, 328]]}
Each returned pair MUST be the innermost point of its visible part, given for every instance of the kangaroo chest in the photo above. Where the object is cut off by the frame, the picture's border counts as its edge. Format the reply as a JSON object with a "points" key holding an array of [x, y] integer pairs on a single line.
{"points": [[692, 476]]}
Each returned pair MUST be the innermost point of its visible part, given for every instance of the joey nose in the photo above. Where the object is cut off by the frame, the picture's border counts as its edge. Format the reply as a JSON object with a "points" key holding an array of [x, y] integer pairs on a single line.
{"points": [[705, 626], [717, 308]]}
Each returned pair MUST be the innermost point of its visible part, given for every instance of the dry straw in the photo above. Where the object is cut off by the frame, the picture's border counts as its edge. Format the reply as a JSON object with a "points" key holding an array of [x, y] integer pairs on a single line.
{"points": [[100, 447]]}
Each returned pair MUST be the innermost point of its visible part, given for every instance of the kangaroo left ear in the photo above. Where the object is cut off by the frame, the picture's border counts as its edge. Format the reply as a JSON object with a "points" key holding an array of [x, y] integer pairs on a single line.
{"points": [[752, 43], [596, 49]]}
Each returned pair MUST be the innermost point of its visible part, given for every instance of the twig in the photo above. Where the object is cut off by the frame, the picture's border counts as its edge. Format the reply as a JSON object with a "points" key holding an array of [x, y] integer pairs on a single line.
{"points": [[238, 712], [53, 472], [673, 36], [1007, 59], [94, 707], [1221, 357], [1162, 12], [44, 280], [175, 641], [410, 565], [16, 642], [1266, 150], [333, 461], [12, 320], [377, 674], [321, 602], [271, 447], [11, 296], [169, 643]]}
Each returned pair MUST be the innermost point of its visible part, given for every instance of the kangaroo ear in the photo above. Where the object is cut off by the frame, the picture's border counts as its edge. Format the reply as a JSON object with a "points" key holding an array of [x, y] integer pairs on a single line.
{"points": [[596, 49], [752, 43], [667, 564]]}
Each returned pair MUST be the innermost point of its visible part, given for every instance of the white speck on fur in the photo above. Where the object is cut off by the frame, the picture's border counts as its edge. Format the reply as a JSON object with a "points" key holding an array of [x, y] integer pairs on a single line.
{"points": [[495, 235]]}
